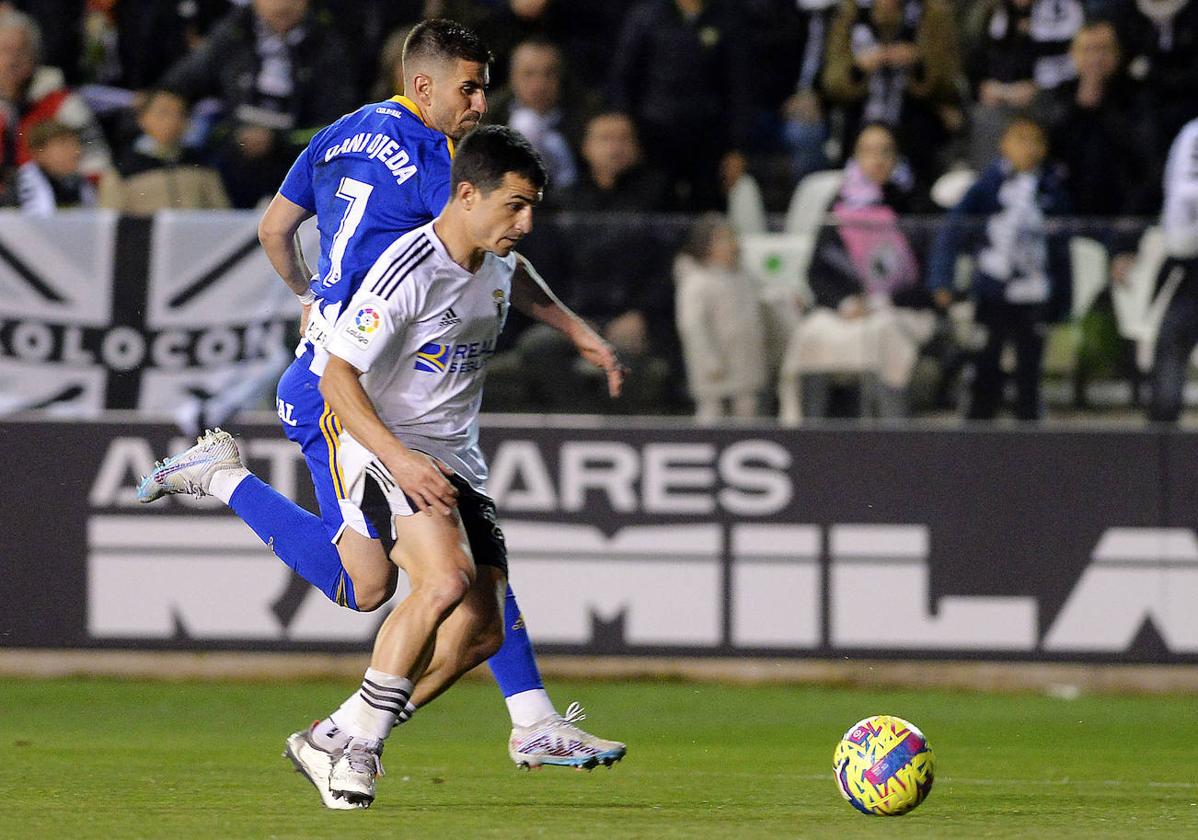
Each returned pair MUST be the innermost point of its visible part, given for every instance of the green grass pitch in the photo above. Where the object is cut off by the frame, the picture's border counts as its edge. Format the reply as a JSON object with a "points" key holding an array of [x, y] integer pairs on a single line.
{"points": [[111, 759]]}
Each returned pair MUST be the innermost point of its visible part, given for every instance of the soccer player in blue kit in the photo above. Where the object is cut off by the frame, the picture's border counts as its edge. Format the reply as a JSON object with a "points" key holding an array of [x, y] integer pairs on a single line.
{"points": [[376, 173]]}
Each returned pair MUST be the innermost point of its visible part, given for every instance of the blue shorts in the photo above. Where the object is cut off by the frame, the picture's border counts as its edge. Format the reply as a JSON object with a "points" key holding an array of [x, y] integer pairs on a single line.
{"points": [[309, 421]]}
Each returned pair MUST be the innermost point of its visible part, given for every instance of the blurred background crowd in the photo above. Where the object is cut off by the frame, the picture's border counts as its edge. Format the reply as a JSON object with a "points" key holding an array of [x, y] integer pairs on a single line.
{"points": [[792, 208]]}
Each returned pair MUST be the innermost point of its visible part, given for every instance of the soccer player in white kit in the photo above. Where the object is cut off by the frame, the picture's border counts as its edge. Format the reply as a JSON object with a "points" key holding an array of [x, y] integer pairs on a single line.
{"points": [[404, 373]]}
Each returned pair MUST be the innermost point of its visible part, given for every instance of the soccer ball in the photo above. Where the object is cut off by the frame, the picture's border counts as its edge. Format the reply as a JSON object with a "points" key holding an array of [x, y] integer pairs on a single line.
{"points": [[883, 766]]}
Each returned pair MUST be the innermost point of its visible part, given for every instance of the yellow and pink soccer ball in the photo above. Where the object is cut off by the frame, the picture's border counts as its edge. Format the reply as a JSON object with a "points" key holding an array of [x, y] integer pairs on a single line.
{"points": [[883, 766]]}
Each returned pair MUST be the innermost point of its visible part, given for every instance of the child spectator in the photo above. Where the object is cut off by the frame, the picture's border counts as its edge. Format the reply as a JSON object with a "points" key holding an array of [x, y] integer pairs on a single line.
{"points": [[719, 322], [157, 173], [1021, 274], [51, 181]]}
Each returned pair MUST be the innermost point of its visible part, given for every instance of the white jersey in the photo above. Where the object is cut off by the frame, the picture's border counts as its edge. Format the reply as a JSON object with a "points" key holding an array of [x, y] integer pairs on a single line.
{"points": [[421, 329], [1180, 218]]}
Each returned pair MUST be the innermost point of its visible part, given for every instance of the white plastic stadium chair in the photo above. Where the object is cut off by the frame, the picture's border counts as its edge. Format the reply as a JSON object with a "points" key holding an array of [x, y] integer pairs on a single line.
{"points": [[746, 209], [1090, 272], [1138, 312], [810, 200], [951, 187], [778, 263], [1090, 267], [1132, 299]]}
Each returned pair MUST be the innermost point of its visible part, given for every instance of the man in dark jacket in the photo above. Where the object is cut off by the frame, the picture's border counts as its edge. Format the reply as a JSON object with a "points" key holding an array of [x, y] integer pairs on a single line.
{"points": [[680, 70], [281, 73]]}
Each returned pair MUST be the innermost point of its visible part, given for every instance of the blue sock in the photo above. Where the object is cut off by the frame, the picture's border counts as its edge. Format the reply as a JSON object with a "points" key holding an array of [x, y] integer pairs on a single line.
{"points": [[297, 537], [514, 664]]}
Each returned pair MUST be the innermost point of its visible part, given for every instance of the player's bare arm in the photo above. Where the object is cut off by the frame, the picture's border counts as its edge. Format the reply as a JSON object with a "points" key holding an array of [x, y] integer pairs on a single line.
{"points": [[277, 232], [417, 475], [532, 296]]}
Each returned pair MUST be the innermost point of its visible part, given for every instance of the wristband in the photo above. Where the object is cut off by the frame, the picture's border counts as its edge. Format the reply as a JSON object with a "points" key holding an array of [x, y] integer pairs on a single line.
{"points": [[307, 298]]}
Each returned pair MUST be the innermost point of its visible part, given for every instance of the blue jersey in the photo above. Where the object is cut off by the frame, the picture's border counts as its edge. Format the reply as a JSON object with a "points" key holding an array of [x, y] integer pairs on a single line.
{"points": [[369, 178]]}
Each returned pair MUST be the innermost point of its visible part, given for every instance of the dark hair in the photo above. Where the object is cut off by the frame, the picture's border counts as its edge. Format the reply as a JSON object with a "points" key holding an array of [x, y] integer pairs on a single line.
{"points": [[441, 40], [490, 152], [702, 232], [42, 133], [884, 126]]}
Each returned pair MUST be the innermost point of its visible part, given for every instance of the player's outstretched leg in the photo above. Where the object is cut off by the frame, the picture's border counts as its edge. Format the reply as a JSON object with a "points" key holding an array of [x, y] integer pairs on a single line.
{"points": [[214, 467], [540, 736]]}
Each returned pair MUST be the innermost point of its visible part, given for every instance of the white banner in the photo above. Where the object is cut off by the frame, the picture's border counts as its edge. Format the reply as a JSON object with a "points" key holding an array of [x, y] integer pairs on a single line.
{"points": [[155, 314]]}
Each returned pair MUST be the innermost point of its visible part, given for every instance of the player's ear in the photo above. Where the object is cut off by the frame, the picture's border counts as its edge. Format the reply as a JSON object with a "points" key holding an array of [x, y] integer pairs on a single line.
{"points": [[422, 88], [466, 194]]}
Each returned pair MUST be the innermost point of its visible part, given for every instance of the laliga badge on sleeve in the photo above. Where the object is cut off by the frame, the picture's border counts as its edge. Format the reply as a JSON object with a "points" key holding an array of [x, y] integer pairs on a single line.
{"points": [[363, 326]]}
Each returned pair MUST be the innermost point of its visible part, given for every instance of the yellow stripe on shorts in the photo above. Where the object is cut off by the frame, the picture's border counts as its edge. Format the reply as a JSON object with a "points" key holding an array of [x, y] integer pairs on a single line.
{"points": [[330, 427]]}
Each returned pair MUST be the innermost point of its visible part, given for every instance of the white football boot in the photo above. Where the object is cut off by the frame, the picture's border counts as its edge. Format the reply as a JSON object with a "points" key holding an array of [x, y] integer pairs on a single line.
{"points": [[354, 771], [316, 764], [557, 741], [191, 471]]}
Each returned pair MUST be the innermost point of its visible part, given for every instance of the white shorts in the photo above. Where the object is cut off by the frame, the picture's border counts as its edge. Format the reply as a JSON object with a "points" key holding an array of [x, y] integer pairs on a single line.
{"points": [[357, 465], [364, 473]]}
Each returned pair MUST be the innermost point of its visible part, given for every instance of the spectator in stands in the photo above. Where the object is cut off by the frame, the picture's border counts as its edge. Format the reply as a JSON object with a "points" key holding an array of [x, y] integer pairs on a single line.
{"points": [[719, 323], [368, 25], [31, 94], [60, 23], [804, 111], [1021, 47], [1097, 131], [1021, 276], [157, 172], [506, 24], [1178, 333], [615, 179], [616, 273], [536, 105], [52, 180], [898, 62], [1160, 39], [864, 277], [282, 75], [680, 71], [1104, 143]]}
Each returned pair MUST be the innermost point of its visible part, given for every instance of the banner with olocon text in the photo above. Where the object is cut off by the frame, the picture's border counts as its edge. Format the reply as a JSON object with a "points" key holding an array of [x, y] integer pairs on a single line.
{"points": [[99, 312]]}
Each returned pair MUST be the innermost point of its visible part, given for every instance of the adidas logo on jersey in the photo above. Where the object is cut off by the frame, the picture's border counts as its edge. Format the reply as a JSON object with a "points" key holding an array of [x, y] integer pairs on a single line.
{"points": [[449, 319]]}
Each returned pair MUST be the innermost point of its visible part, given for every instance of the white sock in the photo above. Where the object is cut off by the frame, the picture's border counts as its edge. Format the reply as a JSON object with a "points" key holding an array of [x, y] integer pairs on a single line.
{"points": [[224, 482], [529, 707], [372, 710], [329, 735]]}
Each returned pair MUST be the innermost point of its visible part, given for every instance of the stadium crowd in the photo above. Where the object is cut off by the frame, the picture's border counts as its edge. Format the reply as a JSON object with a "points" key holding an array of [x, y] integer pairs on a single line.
{"points": [[958, 132]]}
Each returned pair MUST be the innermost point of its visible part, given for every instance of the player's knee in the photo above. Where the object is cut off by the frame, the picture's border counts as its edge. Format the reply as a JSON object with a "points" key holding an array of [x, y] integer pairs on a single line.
{"points": [[443, 591]]}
